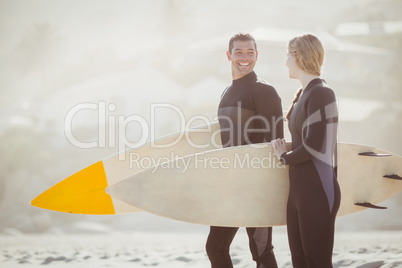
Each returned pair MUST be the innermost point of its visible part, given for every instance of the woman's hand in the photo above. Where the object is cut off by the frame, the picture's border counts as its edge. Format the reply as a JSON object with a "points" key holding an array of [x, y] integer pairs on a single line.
{"points": [[279, 147]]}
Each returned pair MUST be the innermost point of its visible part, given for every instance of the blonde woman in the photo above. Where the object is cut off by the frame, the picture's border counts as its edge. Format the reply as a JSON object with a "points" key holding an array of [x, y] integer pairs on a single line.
{"points": [[314, 196]]}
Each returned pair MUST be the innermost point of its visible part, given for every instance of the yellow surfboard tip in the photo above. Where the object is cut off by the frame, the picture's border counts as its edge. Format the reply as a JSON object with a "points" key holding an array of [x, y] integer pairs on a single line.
{"points": [[82, 193]]}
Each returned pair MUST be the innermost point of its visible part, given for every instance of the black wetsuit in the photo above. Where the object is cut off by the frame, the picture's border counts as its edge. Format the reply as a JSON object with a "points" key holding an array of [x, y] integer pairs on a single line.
{"points": [[250, 111], [314, 196]]}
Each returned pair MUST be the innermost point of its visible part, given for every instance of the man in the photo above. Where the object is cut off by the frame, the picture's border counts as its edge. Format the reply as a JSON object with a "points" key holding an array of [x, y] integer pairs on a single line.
{"points": [[250, 112]]}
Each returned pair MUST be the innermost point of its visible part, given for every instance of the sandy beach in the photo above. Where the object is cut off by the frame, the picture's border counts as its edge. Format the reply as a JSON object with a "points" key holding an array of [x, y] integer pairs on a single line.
{"points": [[357, 249]]}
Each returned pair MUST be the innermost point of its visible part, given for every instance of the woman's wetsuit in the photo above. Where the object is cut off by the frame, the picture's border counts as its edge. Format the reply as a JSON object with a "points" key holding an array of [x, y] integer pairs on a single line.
{"points": [[250, 111], [314, 196]]}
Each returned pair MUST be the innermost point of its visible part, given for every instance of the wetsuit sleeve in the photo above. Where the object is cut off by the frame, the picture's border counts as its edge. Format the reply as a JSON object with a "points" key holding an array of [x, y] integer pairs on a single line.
{"points": [[321, 110], [268, 105]]}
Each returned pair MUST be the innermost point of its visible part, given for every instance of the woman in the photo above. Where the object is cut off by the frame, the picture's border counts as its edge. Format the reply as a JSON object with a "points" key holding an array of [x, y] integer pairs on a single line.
{"points": [[314, 196]]}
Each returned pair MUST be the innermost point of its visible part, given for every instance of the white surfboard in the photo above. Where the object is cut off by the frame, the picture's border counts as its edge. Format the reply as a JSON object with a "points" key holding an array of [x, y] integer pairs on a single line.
{"points": [[247, 186]]}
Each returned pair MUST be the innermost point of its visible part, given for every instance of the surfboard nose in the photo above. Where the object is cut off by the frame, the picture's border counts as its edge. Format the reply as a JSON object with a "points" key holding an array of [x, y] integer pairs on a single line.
{"points": [[109, 190], [81, 193], [114, 189]]}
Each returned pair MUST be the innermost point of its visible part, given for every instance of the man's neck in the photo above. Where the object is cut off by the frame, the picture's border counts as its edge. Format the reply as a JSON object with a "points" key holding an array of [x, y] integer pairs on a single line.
{"points": [[239, 76]]}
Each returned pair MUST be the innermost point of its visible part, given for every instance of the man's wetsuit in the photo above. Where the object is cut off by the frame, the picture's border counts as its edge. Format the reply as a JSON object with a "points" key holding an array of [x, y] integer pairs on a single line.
{"points": [[314, 196], [250, 111]]}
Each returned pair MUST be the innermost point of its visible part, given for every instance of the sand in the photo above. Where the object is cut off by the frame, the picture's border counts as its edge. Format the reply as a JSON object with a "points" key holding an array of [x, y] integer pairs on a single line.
{"points": [[357, 249]]}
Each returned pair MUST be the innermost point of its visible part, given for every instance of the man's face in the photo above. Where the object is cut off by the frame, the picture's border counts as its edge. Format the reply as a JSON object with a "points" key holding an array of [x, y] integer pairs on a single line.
{"points": [[243, 57]]}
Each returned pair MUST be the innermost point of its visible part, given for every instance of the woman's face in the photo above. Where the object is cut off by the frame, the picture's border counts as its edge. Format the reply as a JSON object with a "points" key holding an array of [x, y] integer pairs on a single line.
{"points": [[292, 65]]}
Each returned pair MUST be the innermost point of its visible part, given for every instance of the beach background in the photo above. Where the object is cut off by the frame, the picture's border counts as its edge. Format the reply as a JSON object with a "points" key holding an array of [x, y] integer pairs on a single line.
{"points": [[124, 57]]}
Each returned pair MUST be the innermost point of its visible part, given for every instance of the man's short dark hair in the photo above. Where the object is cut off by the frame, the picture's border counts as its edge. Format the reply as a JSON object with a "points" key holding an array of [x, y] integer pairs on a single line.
{"points": [[241, 37]]}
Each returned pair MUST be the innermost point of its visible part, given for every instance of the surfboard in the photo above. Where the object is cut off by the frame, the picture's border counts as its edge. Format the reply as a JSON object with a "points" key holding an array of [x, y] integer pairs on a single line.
{"points": [[84, 191], [247, 186]]}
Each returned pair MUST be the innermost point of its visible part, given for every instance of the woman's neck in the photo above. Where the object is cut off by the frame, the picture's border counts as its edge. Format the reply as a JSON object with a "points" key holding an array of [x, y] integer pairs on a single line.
{"points": [[305, 79]]}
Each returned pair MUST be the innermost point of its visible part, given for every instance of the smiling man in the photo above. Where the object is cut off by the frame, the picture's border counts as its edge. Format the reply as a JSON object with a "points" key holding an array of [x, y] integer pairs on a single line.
{"points": [[250, 112], [243, 54]]}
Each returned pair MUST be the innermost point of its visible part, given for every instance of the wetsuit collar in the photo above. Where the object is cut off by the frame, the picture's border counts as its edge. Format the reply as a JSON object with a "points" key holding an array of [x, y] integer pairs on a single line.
{"points": [[313, 83], [249, 78]]}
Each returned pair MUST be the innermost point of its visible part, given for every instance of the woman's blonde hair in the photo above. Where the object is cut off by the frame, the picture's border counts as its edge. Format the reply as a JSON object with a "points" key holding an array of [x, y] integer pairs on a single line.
{"points": [[308, 52], [309, 55]]}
